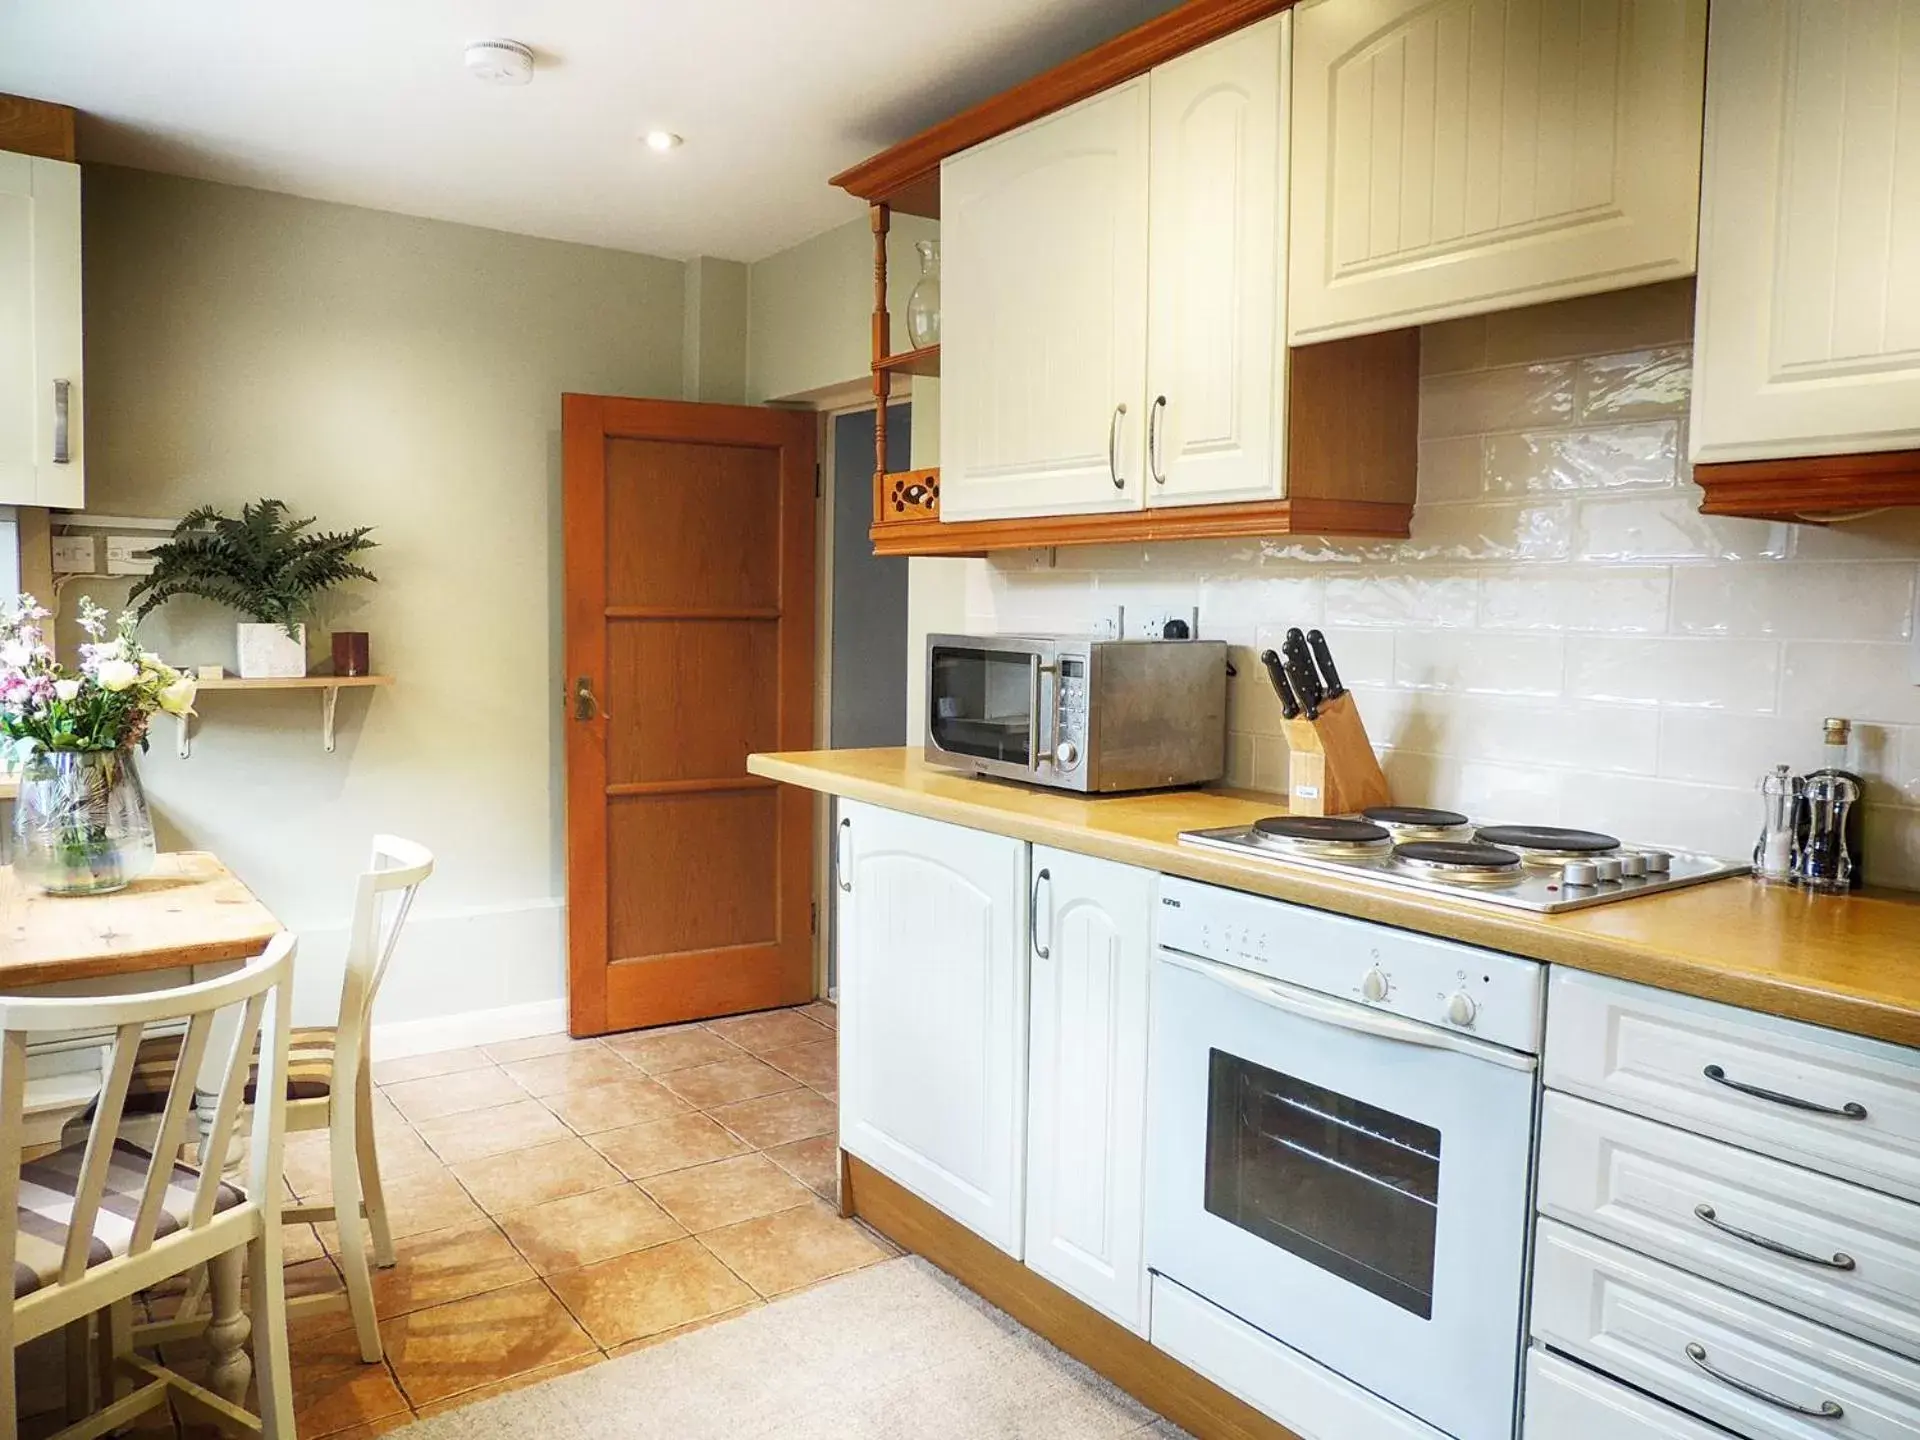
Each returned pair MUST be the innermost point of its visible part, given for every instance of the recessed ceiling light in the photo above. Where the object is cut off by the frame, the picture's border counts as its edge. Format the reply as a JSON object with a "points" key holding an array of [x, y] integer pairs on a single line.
{"points": [[500, 62], [661, 141]]}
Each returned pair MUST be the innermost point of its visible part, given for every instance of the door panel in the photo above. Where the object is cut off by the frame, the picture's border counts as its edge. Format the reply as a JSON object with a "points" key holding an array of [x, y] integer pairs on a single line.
{"points": [[689, 599], [40, 325]]}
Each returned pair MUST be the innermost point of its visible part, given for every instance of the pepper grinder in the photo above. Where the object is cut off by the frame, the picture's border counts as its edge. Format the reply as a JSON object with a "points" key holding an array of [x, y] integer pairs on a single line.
{"points": [[1826, 864], [1837, 743], [1776, 856]]}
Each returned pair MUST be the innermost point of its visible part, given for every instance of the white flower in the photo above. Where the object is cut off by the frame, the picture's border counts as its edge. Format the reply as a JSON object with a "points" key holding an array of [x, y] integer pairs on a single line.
{"points": [[177, 698], [66, 689], [117, 675]]}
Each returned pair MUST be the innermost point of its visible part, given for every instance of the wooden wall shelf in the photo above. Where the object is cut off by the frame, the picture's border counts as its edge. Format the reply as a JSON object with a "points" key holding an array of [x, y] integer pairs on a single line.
{"points": [[924, 361], [1814, 490], [1306, 516], [329, 687]]}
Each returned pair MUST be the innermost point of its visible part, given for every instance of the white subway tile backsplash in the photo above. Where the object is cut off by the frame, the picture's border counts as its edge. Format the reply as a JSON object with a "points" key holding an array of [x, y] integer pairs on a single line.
{"points": [[1815, 601], [1637, 385], [1616, 457], [1479, 662], [1740, 675], [1865, 683], [1514, 397], [1669, 526], [1402, 597], [1470, 534], [1452, 469], [1575, 598]]}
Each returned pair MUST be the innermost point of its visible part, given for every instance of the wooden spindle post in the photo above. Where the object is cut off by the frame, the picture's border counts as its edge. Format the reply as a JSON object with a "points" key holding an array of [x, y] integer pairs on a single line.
{"points": [[881, 217]]}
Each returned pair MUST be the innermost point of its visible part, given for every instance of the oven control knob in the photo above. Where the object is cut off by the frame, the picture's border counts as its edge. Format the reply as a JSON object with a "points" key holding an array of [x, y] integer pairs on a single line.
{"points": [[1374, 985], [1579, 875], [1461, 1009], [1634, 866], [1658, 862], [1066, 754], [1609, 869]]}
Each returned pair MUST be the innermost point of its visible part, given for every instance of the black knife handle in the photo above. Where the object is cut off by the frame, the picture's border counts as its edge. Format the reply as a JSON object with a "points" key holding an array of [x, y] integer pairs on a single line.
{"points": [[1323, 657], [1305, 683], [1277, 676]]}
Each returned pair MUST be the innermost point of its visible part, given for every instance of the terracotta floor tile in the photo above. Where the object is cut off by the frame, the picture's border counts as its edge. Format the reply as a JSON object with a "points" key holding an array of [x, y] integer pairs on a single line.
{"points": [[573, 1070], [512, 1383], [779, 1119], [333, 1390], [451, 1349], [444, 1265], [505, 1052], [740, 1079], [527, 1177], [815, 1063], [425, 1200], [493, 1131], [646, 1342], [585, 1229], [425, 1067], [769, 1030], [299, 1244], [676, 1143], [626, 1101], [726, 1192], [649, 1291], [783, 1252], [373, 1430], [430, 1099], [682, 1048], [824, 1011], [814, 1163]]}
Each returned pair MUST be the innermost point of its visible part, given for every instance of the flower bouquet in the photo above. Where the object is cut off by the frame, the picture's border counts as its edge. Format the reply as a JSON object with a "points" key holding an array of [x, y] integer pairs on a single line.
{"points": [[80, 823]]}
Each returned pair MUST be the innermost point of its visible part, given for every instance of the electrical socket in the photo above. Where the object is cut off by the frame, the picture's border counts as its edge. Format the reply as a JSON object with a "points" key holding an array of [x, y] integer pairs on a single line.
{"points": [[75, 554], [1153, 622], [131, 554], [1108, 624]]}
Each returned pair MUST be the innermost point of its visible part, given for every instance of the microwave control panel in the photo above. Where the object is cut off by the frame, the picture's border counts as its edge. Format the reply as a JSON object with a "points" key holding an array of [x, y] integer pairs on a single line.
{"points": [[1070, 718]]}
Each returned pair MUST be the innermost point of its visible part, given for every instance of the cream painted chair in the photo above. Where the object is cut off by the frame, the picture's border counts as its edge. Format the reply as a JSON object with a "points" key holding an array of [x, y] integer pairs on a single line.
{"points": [[95, 1223]]}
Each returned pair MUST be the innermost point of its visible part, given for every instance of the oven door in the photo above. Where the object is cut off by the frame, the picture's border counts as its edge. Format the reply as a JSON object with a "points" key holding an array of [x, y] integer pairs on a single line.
{"points": [[1352, 1183], [986, 698]]}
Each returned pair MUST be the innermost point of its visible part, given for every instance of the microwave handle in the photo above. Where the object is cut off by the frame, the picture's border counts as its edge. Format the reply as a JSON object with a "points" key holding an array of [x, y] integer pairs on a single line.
{"points": [[1345, 1015], [1038, 759]]}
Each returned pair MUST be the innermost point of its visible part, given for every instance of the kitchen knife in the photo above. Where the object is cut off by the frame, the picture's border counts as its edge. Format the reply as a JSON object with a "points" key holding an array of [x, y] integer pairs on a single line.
{"points": [[1276, 673], [1300, 673], [1323, 657]]}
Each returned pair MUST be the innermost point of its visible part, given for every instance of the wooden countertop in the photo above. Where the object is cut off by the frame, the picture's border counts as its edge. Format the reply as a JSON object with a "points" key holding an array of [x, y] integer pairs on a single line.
{"points": [[1851, 962], [189, 911]]}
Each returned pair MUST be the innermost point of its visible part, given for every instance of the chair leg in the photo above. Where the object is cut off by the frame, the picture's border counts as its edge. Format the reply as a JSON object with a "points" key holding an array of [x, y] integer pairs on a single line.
{"points": [[353, 1238], [371, 1190], [229, 1371], [81, 1388], [116, 1341], [270, 1334]]}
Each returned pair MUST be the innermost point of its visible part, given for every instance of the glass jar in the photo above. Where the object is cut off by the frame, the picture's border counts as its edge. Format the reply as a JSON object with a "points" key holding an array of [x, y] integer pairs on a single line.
{"points": [[80, 822], [923, 306]]}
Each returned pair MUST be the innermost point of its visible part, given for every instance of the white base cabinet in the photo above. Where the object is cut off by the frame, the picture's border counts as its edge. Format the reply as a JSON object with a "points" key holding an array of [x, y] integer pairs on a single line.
{"points": [[932, 948], [1087, 1080], [41, 459]]}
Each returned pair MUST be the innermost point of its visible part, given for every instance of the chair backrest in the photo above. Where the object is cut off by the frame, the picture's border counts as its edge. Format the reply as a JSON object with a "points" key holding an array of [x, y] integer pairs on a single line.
{"points": [[382, 897], [258, 997]]}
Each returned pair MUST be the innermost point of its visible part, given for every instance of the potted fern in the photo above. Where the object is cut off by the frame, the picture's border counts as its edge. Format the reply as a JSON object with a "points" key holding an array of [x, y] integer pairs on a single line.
{"points": [[265, 564]]}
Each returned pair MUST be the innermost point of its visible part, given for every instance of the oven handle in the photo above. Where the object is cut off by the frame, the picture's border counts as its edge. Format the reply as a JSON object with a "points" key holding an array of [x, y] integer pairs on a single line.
{"points": [[1345, 1015]]}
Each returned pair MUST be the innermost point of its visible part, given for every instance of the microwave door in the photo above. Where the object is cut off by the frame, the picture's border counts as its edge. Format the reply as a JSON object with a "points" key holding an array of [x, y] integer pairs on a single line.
{"points": [[984, 704]]}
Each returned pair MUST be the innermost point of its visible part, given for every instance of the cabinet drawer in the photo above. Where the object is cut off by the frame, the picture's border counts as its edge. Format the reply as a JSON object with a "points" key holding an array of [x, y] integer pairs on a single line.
{"points": [[1642, 1184], [1565, 1401], [1698, 1065], [1660, 1330]]}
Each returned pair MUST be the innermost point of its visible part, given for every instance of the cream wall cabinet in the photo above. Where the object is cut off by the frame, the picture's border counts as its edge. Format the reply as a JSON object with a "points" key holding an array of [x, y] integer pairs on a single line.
{"points": [[1464, 156], [41, 457], [932, 949], [1087, 1080], [1808, 327]]}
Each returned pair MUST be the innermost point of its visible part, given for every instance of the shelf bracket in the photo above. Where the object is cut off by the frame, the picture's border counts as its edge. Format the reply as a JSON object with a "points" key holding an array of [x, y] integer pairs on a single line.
{"points": [[183, 737], [329, 702]]}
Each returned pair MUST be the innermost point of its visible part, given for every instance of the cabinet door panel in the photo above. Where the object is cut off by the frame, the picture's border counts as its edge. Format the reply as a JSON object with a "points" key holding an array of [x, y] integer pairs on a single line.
{"points": [[933, 1005], [1087, 1099], [39, 330], [1457, 156], [1809, 310], [1043, 330], [1216, 347]]}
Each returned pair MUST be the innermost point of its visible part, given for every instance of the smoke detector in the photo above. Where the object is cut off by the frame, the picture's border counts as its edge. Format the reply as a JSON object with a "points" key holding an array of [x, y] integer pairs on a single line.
{"points": [[500, 62]]}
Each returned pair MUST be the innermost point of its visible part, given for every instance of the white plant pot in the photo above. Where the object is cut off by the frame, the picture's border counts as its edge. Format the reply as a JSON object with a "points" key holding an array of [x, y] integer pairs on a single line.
{"points": [[268, 653]]}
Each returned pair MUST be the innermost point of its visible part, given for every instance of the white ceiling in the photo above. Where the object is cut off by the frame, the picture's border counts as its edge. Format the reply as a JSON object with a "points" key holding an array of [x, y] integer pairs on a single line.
{"points": [[366, 101]]}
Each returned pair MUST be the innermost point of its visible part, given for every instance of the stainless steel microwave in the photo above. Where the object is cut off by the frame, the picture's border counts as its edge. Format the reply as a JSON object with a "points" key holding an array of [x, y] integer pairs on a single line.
{"points": [[1077, 713]]}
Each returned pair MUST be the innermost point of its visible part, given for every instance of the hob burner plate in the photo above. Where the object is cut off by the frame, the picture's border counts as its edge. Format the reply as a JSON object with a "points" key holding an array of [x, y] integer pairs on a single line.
{"points": [[1546, 839], [1416, 817], [1318, 830], [1445, 856]]}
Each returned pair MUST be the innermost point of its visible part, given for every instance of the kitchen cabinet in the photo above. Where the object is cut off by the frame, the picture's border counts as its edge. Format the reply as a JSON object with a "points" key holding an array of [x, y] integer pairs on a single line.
{"points": [[932, 950], [1044, 315], [1808, 322], [1472, 155], [1087, 1080], [41, 457]]}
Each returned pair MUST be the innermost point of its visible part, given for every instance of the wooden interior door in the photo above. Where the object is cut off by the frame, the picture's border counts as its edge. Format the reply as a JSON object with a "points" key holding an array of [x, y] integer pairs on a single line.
{"points": [[689, 644]]}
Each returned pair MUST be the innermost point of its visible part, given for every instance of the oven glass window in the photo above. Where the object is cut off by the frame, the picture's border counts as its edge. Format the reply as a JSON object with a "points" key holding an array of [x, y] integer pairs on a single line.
{"points": [[1343, 1185], [979, 703]]}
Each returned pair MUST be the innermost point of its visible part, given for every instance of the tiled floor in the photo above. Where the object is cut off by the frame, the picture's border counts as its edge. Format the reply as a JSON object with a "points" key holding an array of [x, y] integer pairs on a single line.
{"points": [[557, 1201]]}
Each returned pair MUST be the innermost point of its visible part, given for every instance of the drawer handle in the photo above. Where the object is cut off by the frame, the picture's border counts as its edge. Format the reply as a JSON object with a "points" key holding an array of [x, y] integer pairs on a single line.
{"points": [[1829, 1409], [1840, 1260], [1852, 1110]]}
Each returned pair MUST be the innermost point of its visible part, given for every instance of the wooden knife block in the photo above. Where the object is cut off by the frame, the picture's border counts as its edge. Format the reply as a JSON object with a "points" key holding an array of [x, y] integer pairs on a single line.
{"points": [[1331, 769]]}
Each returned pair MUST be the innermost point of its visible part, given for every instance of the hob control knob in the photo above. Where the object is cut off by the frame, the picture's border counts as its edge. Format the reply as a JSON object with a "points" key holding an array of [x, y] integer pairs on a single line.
{"points": [[1609, 869], [1461, 1009], [1374, 985], [1658, 862], [1066, 754], [1634, 867], [1579, 875]]}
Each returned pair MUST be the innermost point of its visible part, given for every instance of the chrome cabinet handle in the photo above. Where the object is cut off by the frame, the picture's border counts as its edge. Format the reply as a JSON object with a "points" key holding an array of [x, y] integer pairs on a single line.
{"points": [[1045, 952], [62, 400], [1829, 1409], [1113, 447], [1153, 439], [843, 857], [1840, 1260], [1852, 1110]]}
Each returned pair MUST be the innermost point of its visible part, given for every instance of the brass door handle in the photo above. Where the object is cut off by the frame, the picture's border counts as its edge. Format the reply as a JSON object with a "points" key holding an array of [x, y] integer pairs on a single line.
{"points": [[585, 707]]}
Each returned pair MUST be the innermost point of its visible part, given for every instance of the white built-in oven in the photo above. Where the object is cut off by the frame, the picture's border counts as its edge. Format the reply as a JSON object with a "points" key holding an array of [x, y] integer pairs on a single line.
{"points": [[1341, 1137]]}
